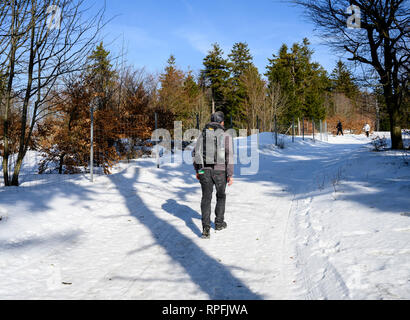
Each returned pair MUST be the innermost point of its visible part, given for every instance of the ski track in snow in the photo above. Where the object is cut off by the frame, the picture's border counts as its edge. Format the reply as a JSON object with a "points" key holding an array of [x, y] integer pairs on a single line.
{"points": [[312, 224]]}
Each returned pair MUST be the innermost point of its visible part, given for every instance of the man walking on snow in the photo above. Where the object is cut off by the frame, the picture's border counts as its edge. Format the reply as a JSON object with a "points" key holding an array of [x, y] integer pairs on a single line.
{"points": [[214, 165]]}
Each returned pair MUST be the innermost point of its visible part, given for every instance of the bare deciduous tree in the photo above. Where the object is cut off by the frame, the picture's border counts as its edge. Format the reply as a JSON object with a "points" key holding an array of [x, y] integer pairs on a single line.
{"points": [[262, 101], [255, 88], [379, 42], [275, 103], [37, 52], [12, 38]]}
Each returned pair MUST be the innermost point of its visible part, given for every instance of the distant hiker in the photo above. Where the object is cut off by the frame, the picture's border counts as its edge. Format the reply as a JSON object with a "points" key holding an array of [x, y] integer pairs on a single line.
{"points": [[214, 165], [339, 128], [366, 129]]}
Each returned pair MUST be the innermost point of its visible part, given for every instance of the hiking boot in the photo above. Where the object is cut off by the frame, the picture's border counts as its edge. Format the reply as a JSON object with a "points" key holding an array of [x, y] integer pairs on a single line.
{"points": [[206, 234], [221, 227]]}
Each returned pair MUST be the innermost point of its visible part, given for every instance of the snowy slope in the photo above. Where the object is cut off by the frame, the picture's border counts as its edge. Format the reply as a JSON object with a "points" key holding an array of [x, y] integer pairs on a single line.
{"points": [[318, 221]]}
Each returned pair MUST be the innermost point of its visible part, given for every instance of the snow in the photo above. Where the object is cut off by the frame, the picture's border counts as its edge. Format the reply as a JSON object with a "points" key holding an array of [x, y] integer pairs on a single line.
{"points": [[320, 220]]}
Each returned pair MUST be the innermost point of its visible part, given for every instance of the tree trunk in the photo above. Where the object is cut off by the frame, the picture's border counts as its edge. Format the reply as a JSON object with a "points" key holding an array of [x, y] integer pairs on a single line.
{"points": [[23, 146], [395, 130], [16, 172], [394, 115], [11, 70], [5, 151]]}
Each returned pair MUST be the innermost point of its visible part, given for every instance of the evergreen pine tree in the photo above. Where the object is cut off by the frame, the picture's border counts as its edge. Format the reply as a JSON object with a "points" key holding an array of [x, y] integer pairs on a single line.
{"points": [[171, 93], [239, 64], [304, 82], [240, 59], [101, 80], [215, 76], [343, 81], [101, 76]]}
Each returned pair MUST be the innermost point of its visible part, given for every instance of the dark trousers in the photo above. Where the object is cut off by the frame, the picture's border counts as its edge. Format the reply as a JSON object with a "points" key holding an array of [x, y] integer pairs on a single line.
{"points": [[340, 131], [368, 134], [208, 180]]}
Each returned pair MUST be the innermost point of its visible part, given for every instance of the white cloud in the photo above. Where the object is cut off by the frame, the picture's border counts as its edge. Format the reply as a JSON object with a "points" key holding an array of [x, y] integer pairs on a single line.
{"points": [[136, 36], [198, 41]]}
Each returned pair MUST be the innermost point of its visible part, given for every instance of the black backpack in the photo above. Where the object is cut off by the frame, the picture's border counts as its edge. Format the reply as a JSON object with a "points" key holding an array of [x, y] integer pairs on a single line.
{"points": [[212, 145]]}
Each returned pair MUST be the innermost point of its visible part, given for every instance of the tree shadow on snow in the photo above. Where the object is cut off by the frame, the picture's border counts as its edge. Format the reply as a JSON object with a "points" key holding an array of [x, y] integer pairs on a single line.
{"points": [[208, 274], [33, 242], [37, 197]]}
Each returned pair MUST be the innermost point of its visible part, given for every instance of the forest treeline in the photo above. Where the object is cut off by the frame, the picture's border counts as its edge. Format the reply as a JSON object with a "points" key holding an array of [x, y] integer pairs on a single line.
{"points": [[125, 100], [48, 88]]}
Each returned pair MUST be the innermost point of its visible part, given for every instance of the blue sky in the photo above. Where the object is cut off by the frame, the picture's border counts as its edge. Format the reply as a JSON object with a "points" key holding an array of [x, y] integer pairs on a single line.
{"points": [[154, 29]]}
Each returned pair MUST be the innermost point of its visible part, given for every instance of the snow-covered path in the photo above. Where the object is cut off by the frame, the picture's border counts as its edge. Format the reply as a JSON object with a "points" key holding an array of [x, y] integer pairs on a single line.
{"points": [[297, 230]]}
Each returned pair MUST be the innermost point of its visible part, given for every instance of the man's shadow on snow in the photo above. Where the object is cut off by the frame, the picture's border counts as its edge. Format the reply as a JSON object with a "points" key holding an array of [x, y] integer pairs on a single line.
{"points": [[184, 213]]}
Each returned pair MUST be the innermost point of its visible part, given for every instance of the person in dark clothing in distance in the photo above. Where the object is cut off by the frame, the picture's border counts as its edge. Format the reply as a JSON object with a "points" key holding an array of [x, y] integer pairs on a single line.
{"points": [[339, 128], [218, 173]]}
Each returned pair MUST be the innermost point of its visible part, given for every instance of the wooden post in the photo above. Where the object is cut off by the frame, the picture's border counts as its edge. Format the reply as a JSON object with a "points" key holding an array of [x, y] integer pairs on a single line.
{"points": [[321, 130], [313, 128], [298, 126], [156, 139], [258, 128], [92, 145]]}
